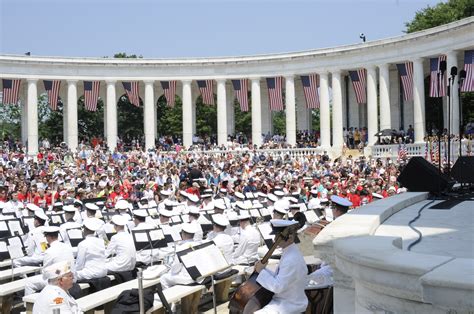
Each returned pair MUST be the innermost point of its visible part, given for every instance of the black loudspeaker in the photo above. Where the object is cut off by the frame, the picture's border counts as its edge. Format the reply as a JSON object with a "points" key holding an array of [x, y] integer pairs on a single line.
{"points": [[463, 170], [421, 176]]}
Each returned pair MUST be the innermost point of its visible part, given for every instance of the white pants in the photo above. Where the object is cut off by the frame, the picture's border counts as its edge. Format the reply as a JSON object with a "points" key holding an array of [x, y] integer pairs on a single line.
{"points": [[34, 284]]}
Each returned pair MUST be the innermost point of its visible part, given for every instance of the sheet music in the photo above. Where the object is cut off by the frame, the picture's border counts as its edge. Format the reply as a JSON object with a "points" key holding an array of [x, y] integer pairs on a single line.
{"points": [[3, 226], [15, 226], [311, 216], [74, 233], [265, 229], [141, 237], [152, 211], [3, 247], [254, 213], [156, 234], [15, 251], [109, 228], [185, 218], [208, 260], [56, 219], [174, 232], [265, 211], [176, 219]]}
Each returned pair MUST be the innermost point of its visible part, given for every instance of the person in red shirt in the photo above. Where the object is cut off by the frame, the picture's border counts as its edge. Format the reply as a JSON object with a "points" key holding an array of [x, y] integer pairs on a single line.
{"points": [[194, 189], [3, 195]]}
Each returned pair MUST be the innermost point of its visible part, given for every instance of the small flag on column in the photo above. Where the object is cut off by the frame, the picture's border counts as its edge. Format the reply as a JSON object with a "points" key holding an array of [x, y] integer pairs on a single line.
{"points": [[402, 152], [468, 83], [169, 89], [359, 82], [275, 98], [131, 88], [437, 79], [52, 89], [406, 75], [91, 94], [206, 88], [11, 90], [310, 89], [241, 92]]}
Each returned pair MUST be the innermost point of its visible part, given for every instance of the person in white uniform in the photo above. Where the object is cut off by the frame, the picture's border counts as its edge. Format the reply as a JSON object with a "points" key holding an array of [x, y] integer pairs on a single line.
{"points": [[70, 223], [178, 275], [222, 240], [90, 263], [35, 244], [55, 298], [289, 281], [144, 256], [249, 240], [122, 247], [57, 252]]}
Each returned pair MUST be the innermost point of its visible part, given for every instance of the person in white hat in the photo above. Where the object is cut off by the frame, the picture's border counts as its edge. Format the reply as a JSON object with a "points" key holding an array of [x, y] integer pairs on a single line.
{"points": [[55, 298], [90, 262], [249, 240], [222, 240], [145, 256], [34, 251], [121, 244], [57, 252], [92, 211], [178, 275], [196, 219], [70, 223], [288, 284]]}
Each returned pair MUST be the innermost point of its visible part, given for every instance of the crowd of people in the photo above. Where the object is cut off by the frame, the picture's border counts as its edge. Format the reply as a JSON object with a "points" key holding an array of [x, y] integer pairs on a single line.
{"points": [[111, 194]]}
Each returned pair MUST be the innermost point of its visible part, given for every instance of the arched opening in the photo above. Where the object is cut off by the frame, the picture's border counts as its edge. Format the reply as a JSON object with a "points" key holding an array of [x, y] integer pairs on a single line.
{"points": [[243, 122], [91, 123], [130, 122], [169, 122], [206, 121], [50, 122]]}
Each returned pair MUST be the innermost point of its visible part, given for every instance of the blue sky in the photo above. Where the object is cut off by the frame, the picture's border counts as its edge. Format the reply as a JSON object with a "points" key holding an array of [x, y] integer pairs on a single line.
{"points": [[195, 28]]}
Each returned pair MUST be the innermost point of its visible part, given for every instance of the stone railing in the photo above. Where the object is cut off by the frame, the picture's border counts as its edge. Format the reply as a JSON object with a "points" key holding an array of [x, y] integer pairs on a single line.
{"points": [[275, 153]]}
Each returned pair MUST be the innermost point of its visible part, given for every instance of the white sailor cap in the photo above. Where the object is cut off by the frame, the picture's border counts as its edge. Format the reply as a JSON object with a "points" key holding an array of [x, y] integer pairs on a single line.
{"points": [[119, 220], [203, 196], [261, 194], [183, 193], [193, 210], [39, 213], [377, 195], [341, 201], [56, 270], [257, 206], [93, 224], [32, 207], [220, 220], [279, 193], [69, 208], [223, 191], [166, 192], [314, 192], [193, 198], [280, 208], [220, 205], [140, 213], [239, 195], [292, 200], [121, 204], [92, 206], [166, 213], [244, 215], [50, 229], [272, 197], [189, 228], [279, 225]]}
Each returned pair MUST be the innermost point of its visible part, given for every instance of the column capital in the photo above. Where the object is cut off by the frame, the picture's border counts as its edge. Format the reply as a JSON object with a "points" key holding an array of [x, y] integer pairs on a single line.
{"points": [[255, 79], [221, 81], [289, 76], [110, 81], [418, 60], [452, 53], [383, 65], [324, 74], [336, 72], [186, 81], [71, 82], [371, 67], [148, 82], [32, 80]]}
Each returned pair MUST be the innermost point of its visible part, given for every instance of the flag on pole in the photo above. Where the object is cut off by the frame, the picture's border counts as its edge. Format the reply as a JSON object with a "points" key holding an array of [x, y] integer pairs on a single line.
{"points": [[169, 89], [131, 88], [402, 152], [11, 90], [310, 89], [52, 89], [241, 92], [437, 79], [468, 84], [427, 155], [91, 94], [207, 91], [275, 98], [406, 75], [359, 82]]}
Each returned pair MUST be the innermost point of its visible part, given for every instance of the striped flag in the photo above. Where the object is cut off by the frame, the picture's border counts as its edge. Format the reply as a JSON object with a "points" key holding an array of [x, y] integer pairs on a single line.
{"points": [[427, 154], [402, 152], [434, 152], [406, 75], [437, 79], [169, 88], [310, 89], [468, 84], [275, 98], [52, 89], [359, 82], [11, 91], [91, 94], [131, 88], [241, 89], [207, 91]]}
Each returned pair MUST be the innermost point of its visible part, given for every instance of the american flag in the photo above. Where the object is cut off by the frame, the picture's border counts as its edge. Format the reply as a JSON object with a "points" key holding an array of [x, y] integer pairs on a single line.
{"points": [[468, 84], [91, 94], [274, 93], [434, 73], [310, 88], [52, 89], [406, 75], [359, 82], [402, 152], [169, 88], [11, 90], [241, 88], [207, 91], [131, 88], [427, 154]]}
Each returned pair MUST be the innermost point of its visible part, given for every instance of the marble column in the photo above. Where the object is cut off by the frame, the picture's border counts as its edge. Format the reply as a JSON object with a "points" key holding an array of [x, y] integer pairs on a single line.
{"points": [[72, 132], [187, 114], [418, 100], [149, 114], [221, 113], [337, 135], [451, 61], [230, 111], [111, 114], [384, 88], [325, 124], [32, 109], [24, 121], [372, 115], [290, 103], [65, 126], [256, 113]]}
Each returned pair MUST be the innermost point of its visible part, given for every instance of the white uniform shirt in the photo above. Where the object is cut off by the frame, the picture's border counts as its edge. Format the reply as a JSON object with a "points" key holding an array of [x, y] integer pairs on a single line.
{"points": [[288, 283], [247, 250], [13, 207], [123, 247], [225, 243], [49, 298], [58, 252], [33, 248], [90, 261]]}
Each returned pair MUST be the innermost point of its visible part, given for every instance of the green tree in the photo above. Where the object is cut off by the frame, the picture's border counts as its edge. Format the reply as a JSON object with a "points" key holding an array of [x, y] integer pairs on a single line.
{"points": [[243, 119], [169, 118], [10, 121]]}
